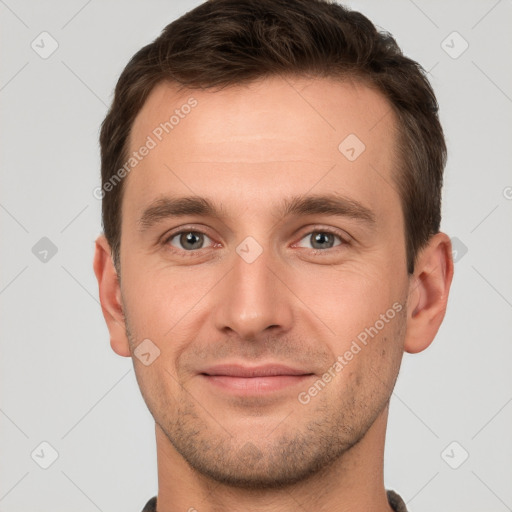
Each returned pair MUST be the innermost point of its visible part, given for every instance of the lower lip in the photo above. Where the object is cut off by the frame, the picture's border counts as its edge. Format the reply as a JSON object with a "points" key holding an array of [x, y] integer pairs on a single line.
{"points": [[255, 385]]}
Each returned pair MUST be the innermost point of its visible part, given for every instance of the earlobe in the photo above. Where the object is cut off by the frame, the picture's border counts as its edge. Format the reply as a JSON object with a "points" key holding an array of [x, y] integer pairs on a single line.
{"points": [[110, 296], [428, 293]]}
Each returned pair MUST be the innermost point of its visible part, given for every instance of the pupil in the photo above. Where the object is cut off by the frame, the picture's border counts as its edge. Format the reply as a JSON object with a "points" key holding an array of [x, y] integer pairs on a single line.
{"points": [[321, 238], [194, 239]]}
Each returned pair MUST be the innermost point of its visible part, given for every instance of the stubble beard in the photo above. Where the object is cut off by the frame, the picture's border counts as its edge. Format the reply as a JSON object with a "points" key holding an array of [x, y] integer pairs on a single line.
{"points": [[311, 439]]}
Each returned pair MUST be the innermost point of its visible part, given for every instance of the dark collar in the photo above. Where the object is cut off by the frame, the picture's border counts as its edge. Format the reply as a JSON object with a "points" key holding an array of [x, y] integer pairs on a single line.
{"points": [[395, 501]]}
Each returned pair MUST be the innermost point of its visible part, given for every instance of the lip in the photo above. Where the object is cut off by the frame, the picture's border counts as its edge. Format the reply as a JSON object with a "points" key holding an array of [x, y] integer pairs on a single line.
{"points": [[268, 370], [254, 380]]}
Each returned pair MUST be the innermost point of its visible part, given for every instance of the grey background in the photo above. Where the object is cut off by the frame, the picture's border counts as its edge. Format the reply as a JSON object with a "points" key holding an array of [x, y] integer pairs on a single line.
{"points": [[61, 383]]}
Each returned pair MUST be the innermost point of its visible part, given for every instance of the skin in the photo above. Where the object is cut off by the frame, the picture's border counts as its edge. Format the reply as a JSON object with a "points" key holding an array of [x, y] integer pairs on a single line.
{"points": [[246, 149]]}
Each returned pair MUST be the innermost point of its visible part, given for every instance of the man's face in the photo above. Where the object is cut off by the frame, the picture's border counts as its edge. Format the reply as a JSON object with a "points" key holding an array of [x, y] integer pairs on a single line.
{"points": [[227, 294]]}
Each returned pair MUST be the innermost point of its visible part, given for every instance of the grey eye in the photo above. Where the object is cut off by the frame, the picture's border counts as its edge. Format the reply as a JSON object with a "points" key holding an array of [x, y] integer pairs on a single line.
{"points": [[321, 240], [188, 240]]}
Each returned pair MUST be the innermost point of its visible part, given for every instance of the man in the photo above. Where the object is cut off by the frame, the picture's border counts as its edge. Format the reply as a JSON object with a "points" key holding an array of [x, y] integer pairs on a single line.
{"points": [[271, 183]]}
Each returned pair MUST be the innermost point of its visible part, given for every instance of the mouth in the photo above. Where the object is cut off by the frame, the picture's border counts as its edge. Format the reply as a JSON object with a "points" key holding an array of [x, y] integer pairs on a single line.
{"points": [[245, 380]]}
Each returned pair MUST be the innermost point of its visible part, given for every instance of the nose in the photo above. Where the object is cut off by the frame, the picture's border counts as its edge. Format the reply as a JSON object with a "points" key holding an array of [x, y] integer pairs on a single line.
{"points": [[252, 301]]}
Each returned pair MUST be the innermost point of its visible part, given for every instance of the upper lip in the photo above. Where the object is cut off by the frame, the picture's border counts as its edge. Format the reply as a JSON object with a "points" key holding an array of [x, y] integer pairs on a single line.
{"points": [[268, 370]]}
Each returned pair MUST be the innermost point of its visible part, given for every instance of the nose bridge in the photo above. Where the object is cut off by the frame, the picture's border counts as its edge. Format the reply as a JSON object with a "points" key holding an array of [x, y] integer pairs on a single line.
{"points": [[252, 299]]}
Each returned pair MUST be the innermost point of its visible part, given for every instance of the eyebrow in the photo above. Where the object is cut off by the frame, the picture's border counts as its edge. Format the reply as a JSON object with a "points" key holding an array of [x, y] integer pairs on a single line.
{"points": [[325, 204]]}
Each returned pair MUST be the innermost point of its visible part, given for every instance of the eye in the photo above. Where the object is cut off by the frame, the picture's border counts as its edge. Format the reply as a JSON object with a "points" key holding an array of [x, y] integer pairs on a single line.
{"points": [[321, 240], [188, 240]]}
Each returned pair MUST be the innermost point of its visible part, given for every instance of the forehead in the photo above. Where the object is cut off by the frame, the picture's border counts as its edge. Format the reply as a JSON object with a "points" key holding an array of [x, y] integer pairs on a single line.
{"points": [[274, 136]]}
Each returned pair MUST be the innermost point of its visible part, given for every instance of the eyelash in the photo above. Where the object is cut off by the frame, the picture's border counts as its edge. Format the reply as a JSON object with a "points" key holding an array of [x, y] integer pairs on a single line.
{"points": [[192, 253]]}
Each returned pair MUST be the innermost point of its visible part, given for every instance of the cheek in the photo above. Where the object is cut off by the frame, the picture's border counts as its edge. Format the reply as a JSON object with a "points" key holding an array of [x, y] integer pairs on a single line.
{"points": [[158, 387], [371, 358], [159, 299], [348, 298]]}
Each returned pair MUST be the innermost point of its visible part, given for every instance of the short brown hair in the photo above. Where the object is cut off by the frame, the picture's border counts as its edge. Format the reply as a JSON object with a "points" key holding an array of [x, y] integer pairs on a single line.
{"points": [[230, 42]]}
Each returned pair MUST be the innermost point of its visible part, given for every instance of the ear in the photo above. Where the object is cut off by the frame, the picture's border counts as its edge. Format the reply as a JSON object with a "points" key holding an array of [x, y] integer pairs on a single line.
{"points": [[110, 296], [428, 293]]}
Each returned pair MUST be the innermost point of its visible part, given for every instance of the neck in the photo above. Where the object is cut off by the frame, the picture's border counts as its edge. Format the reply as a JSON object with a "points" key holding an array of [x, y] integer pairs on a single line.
{"points": [[354, 482]]}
